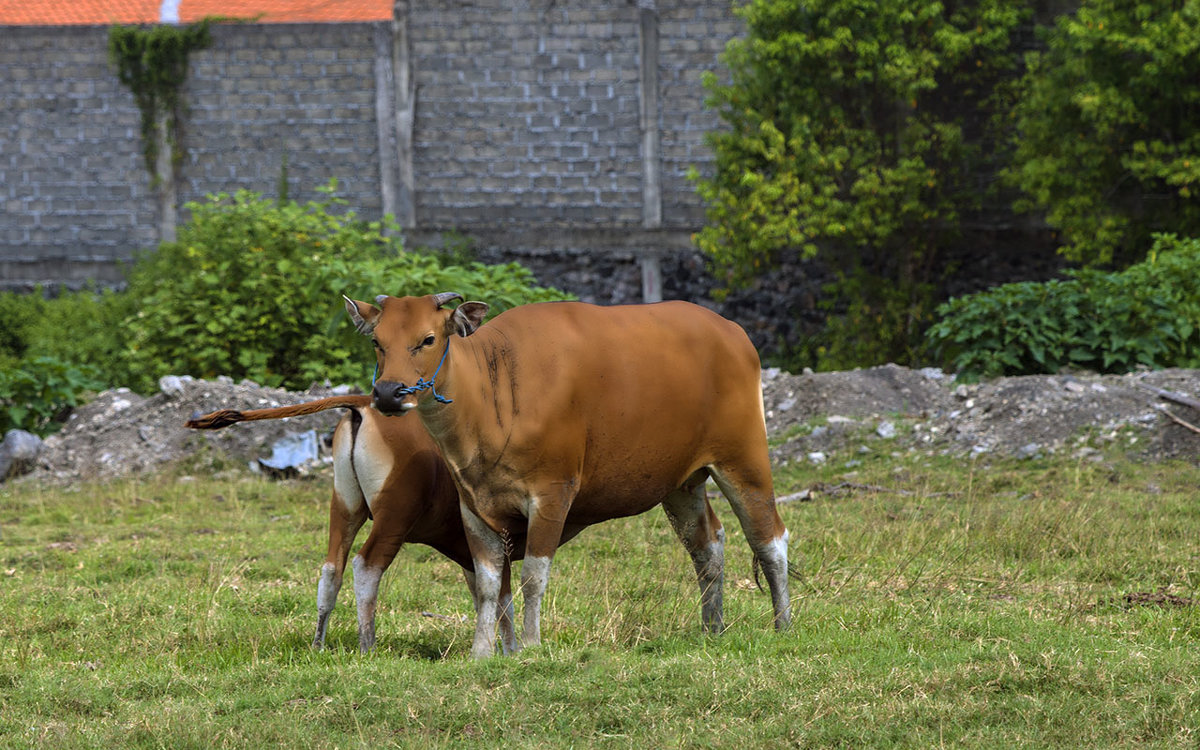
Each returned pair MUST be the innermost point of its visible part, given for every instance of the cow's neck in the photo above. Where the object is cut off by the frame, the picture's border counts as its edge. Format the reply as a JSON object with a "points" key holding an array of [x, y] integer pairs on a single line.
{"points": [[478, 377]]}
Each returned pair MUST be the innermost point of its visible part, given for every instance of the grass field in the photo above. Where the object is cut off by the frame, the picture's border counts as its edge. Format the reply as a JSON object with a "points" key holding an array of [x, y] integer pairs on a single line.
{"points": [[937, 603]]}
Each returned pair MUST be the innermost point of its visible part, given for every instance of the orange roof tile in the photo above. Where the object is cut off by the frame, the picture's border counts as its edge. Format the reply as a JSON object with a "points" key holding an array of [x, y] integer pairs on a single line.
{"points": [[71, 12], [76, 12], [288, 11]]}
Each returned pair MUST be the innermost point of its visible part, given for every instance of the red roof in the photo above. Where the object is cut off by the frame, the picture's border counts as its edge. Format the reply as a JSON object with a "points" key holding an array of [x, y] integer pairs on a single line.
{"points": [[75, 12]]}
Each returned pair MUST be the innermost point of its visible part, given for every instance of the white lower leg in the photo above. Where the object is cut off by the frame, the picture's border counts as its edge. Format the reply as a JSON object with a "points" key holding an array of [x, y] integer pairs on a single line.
{"points": [[328, 586], [710, 574], [773, 558], [535, 574], [487, 588], [366, 591]]}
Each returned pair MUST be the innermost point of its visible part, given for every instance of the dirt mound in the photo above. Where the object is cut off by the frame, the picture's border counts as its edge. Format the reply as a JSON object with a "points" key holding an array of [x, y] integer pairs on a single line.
{"points": [[1019, 416], [120, 433], [809, 415]]}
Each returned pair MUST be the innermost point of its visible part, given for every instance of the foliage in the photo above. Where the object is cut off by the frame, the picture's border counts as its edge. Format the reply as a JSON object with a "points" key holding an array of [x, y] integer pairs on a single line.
{"points": [[1147, 315], [252, 289], [966, 604], [53, 351], [153, 63], [85, 328], [1107, 127], [18, 315], [854, 134], [35, 395]]}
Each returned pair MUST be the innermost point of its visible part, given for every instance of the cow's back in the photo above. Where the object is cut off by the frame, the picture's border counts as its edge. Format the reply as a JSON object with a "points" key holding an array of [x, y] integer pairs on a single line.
{"points": [[635, 398]]}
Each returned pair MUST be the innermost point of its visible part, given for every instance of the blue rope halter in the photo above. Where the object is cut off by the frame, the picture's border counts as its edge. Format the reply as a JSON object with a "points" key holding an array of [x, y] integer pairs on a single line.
{"points": [[422, 383]]}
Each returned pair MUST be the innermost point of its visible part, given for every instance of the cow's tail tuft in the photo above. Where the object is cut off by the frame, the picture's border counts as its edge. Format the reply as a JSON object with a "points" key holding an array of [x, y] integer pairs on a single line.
{"points": [[214, 420]]}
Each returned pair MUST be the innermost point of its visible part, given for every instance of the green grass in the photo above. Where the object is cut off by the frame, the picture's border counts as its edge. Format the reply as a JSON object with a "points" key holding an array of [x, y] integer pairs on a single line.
{"points": [[938, 602]]}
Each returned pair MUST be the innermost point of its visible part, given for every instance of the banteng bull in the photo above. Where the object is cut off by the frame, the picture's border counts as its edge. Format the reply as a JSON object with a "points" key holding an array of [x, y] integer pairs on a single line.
{"points": [[559, 415]]}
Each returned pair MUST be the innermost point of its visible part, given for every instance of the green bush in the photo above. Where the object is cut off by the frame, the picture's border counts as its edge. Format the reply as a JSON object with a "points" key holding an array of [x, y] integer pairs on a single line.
{"points": [[1147, 315], [36, 395], [252, 289], [18, 315], [81, 328], [85, 328]]}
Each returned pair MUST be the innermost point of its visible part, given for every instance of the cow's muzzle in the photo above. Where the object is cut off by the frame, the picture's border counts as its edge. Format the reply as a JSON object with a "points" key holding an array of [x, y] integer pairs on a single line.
{"points": [[392, 398]]}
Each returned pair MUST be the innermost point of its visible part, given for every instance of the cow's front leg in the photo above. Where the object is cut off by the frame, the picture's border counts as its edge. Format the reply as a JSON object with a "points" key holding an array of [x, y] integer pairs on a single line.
{"points": [[504, 613], [547, 516], [488, 555]]}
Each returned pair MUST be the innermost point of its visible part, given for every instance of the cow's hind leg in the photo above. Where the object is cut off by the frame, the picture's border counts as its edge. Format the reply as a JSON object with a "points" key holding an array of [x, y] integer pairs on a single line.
{"points": [[700, 531], [747, 486], [345, 519]]}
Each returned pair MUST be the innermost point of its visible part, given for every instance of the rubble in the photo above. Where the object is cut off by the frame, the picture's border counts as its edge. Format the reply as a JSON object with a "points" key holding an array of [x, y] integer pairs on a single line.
{"points": [[810, 418]]}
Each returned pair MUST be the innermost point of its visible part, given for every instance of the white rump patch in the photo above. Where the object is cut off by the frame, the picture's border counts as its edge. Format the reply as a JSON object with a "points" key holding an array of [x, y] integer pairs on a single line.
{"points": [[373, 461]]}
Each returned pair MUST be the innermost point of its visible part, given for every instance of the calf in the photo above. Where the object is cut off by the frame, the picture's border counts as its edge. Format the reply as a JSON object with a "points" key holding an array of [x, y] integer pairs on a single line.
{"points": [[388, 470]]}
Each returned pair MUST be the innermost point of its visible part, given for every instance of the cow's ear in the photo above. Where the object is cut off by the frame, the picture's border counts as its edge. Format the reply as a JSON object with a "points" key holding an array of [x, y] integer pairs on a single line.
{"points": [[466, 318], [362, 314]]}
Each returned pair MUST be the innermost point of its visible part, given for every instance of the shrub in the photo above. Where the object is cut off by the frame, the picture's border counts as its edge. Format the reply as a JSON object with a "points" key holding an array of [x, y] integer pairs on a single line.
{"points": [[18, 314], [252, 289], [37, 395], [80, 328], [1147, 315]]}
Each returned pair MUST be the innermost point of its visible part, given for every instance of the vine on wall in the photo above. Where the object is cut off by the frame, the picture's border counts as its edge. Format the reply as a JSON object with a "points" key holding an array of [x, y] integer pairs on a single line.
{"points": [[153, 63]]}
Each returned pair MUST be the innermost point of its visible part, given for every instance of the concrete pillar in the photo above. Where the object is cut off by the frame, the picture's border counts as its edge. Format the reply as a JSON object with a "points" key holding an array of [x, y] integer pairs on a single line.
{"points": [[385, 118], [406, 100], [651, 160], [164, 178]]}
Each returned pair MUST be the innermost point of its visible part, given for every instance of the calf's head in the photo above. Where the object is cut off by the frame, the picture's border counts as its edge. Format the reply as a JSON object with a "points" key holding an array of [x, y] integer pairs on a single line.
{"points": [[412, 344]]}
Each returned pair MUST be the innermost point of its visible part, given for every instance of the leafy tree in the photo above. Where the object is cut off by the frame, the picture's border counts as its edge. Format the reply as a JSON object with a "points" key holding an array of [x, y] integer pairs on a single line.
{"points": [[1107, 128], [855, 133]]}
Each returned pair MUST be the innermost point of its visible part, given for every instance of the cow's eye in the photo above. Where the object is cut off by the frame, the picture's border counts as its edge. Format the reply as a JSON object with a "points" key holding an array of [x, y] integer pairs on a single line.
{"points": [[428, 340]]}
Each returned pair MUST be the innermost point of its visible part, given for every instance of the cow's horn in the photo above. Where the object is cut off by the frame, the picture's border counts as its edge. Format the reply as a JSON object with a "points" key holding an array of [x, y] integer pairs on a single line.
{"points": [[442, 298]]}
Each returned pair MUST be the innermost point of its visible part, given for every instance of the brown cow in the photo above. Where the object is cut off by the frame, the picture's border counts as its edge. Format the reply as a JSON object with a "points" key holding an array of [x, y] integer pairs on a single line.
{"points": [[559, 415], [389, 470]]}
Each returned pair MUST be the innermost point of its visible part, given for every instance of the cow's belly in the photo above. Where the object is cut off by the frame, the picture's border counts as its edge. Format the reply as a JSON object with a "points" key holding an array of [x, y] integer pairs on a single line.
{"points": [[506, 498]]}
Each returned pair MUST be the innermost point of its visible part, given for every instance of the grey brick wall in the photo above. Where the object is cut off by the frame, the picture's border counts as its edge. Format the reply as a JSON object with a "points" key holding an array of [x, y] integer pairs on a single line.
{"points": [[74, 196], [692, 36], [526, 132], [262, 91], [535, 122]]}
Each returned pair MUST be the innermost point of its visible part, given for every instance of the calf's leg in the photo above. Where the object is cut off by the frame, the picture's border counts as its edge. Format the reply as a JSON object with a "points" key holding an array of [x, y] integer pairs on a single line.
{"points": [[345, 519]]}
